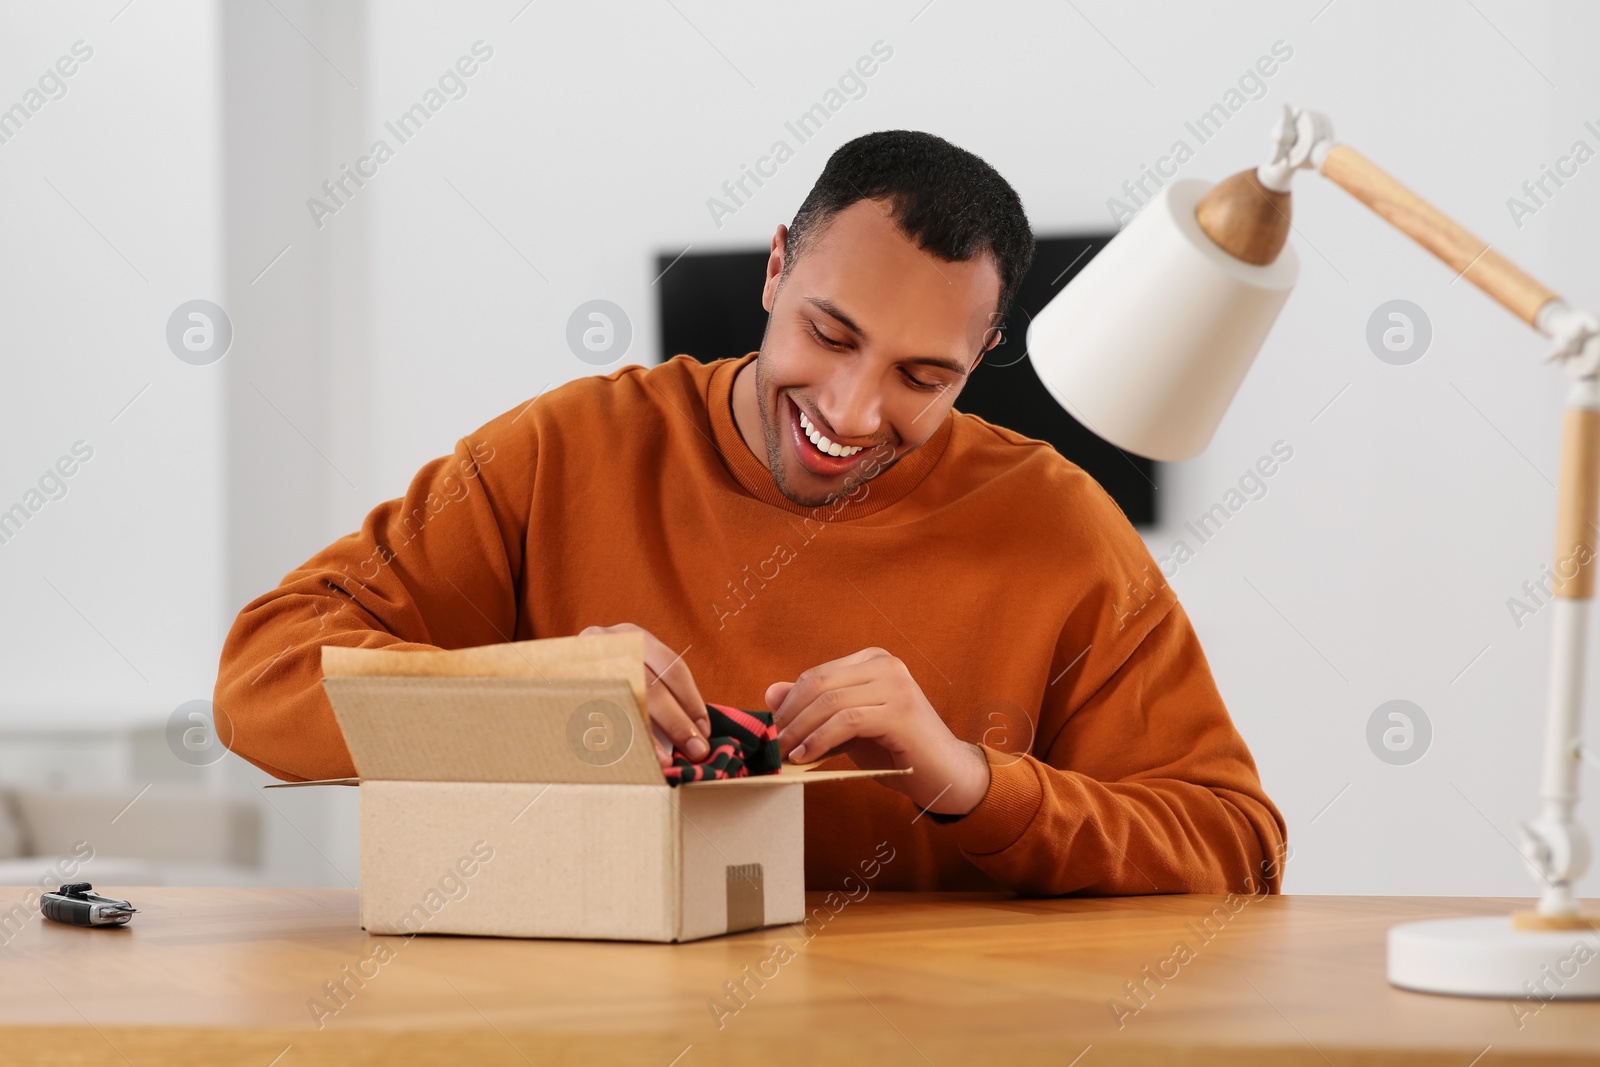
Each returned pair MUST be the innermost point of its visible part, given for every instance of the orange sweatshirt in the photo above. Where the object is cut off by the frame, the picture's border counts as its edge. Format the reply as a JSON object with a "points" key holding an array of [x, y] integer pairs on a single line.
{"points": [[1013, 588]]}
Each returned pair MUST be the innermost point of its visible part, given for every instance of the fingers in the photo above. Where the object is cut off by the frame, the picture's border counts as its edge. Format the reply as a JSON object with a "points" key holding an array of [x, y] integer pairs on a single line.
{"points": [[683, 733], [837, 731], [775, 694], [678, 715], [619, 628], [829, 704], [854, 669], [675, 702], [661, 743], [668, 670]]}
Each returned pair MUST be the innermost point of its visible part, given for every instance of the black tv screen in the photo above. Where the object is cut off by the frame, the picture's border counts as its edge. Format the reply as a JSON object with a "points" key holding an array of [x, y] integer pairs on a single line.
{"points": [[711, 309]]}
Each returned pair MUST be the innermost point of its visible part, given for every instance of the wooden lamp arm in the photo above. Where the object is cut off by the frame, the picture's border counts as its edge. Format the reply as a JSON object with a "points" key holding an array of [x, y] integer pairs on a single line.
{"points": [[1469, 257], [1249, 219]]}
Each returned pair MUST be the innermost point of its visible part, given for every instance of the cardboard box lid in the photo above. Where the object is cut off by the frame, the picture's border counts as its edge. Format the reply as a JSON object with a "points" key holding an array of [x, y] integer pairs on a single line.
{"points": [[493, 730], [489, 731], [551, 658], [563, 709]]}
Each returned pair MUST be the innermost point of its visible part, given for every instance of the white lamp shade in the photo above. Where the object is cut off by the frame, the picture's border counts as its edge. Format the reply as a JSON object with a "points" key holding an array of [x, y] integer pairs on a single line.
{"points": [[1148, 344]]}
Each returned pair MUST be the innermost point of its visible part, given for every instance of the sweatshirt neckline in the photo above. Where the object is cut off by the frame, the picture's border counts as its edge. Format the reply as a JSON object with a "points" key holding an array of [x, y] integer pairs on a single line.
{"points": [[873, 495]]}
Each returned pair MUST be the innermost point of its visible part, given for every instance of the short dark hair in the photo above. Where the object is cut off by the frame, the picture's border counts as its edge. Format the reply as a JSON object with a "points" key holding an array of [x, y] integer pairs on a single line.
{"points": [[947, 200]]}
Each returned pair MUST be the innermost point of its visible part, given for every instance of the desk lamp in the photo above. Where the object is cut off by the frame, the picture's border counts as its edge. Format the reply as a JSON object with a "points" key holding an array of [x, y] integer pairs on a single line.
{"points": [[1147, 347]]}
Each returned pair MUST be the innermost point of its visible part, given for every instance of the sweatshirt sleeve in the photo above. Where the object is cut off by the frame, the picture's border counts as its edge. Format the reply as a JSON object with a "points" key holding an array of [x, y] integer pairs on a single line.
{"points": [[436, 568], [1146, 788]]}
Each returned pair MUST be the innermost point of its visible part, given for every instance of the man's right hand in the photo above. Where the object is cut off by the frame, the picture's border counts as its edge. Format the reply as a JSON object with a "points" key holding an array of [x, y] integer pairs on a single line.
{"points": [[677, 714]]}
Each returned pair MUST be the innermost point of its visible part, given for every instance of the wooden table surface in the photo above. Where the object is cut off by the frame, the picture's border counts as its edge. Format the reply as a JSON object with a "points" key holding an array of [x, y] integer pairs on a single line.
{"points": [[228, 976]]}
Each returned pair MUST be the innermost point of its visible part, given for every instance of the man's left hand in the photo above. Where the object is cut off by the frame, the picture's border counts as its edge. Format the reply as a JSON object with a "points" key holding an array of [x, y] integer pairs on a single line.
{"points": [[867, 704]]}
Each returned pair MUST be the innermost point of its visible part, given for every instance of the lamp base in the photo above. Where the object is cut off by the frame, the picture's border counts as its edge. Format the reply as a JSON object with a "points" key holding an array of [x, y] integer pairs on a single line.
{"points": [[1491, 957], [1533, 920]]}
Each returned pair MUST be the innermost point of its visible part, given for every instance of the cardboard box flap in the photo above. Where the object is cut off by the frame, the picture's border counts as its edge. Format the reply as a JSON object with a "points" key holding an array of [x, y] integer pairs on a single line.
{"points": [[786, 774], [312, 781], [550, 659], [802, 773], [437, 729]]}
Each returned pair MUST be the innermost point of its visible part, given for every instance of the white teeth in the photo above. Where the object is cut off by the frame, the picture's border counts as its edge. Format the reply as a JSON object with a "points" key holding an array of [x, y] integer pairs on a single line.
{"points": [[832, 448]]}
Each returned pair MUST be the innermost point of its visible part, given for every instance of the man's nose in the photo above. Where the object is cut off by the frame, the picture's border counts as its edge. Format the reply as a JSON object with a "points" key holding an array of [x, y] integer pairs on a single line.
{"points": [[853, 405]]}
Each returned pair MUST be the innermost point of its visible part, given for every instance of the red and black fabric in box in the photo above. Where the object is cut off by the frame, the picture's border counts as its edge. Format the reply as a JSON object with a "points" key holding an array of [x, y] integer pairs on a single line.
{"points": [[742, 743]]}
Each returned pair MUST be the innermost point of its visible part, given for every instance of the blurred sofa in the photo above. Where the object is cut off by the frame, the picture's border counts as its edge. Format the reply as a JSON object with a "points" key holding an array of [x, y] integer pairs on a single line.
{"points": [[166, 835]]}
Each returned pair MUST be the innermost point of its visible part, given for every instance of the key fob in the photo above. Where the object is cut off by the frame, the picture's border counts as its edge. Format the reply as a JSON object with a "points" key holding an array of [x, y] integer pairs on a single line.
{"points": [[77, 905]]}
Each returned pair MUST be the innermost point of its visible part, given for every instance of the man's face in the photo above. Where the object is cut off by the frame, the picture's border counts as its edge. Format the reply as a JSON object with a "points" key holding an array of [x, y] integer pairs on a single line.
{"points": [[870, 340]]}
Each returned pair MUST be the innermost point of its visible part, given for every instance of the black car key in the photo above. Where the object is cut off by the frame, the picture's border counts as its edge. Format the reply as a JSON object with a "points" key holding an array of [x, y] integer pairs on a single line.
{"points": [[74, 903]]}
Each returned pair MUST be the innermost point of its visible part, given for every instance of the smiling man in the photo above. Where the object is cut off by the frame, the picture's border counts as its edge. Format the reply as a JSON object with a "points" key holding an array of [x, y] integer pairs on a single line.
{"points": [[813, 529]]}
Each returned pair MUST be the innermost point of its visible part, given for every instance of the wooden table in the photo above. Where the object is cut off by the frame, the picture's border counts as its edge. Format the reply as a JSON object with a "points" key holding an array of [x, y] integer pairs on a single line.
{"points": [[228, 976]]}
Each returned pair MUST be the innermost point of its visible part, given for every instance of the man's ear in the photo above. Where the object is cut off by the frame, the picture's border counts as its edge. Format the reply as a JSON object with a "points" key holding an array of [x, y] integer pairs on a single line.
{"points": [[991, 337], [775, 261]]}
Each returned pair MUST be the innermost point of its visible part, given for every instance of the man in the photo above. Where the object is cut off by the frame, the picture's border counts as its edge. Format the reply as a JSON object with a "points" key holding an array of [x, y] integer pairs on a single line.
{"points": [[813, 529]]}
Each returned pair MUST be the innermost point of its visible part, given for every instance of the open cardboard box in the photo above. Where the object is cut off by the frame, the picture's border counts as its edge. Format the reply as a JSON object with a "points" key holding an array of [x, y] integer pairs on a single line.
{"points": [[512, 790]]}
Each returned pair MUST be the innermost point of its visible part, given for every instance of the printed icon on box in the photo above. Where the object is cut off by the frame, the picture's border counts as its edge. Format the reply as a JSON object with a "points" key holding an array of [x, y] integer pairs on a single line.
{"points": [[599, 732], [199, 733], [1399, 732], [1399, 332], [599, 332], [199, 332]]}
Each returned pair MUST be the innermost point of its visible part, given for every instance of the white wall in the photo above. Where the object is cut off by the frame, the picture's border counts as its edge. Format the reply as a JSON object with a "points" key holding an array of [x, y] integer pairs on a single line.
{"points": [[114, 608], [125, 199], [1390, 541], [1377, 567]]}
